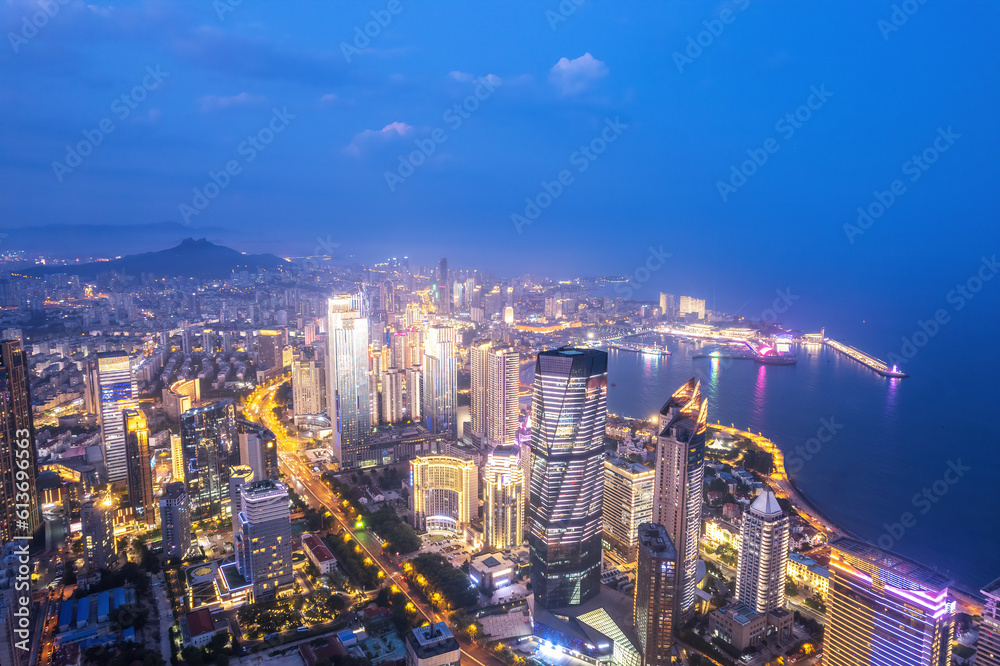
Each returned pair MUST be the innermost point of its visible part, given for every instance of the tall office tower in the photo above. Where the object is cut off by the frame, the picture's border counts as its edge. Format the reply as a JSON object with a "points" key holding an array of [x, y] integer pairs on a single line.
{"points": [[503, 498], [307, 387], [347, 388], [680, 470], [388, 296], [655, 589], [268, 346], [445, 493], [258, 449], [13, 644], [176, 458], [667, 305], [628, 503], [227, 342], [415, 340], [186, 341], [441, 381], [413, 400], [392, 395], [569, 407], [443, 288], [208, 341], [112, 374], [211, 449], [17, 446], [97, 532], [763, 555], [412, 315], [175, 520], [502, 412], [885, 610], [263, 540], [508, 315], [690, 305], [239, 476], [479, 363], [988, 649], [140, 474], [399, 350]]}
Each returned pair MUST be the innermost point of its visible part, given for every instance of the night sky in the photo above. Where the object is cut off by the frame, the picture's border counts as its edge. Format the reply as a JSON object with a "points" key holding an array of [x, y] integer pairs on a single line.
{"points": [[625, 120]]}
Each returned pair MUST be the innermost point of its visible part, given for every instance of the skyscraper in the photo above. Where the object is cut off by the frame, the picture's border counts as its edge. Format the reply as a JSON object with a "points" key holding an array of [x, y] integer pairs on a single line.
{"points": [[140, 474], [268, 346], [479, 356], [569, 407], [440, 403], [655, 588], [988, 649], [503, 498], [628, 503], [392, 395], [262, 537], [885, 610], [445, 493], [414, 393], [348, 390], [307, 387], [211, 449], [680, 470], [17, 445], [175, 520], [763, 555], [503, 376], [239, 476], [111, 373], [99, 548], [258, 449]]}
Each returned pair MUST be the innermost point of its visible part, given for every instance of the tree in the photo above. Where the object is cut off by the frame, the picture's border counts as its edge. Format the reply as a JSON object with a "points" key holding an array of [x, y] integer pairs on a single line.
{"points": [[791, 589]]}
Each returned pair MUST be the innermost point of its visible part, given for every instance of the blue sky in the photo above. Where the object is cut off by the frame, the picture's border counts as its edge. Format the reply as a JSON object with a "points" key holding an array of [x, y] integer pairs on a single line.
{"points": [[685, 115]]}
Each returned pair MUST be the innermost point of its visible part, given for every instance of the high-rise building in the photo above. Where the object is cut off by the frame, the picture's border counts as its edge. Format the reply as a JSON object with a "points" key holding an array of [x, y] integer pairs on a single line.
{"points": [[440, 405], [569, 407], [348, 389], [175, 520], [268, 346], [445, 493], [258, 449], [503, 498], [140, 472], [443, 288], [239, 476], [97, 532], [111, 373], [885, 610], [689, 305], [392, 395], [432, 645], [176, 458], [628, 503], [263, 537], [211, 449], [414, 393], [680, 471], [655, 588], [502, 412], [307, 387], [667, 306], [17, 446], [763, 555], [479, 358], [988, 649]]}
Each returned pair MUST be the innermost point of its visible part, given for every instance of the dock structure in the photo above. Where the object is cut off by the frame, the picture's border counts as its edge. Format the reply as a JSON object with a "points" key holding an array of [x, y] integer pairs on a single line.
{"points": [[879, 366]]}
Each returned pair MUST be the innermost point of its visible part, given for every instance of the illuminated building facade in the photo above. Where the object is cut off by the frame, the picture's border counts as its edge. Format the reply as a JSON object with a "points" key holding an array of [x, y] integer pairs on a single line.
{"points": [[440, 406], [211, 449], [763, 555], [269, 344], [414, 393], [111, 373], [479, 356], [258, 449], [885, 610], [655, 585], [503, 498], [392, 395], [680, 470], [348, 389], [140, 474], [239, 476], [695, 306], [307, 387], [175, 520], [502, 412], [444, 493], [569, 407], [97, 532], [262, 537], [628, 503], [988, 648], [17, 445]]}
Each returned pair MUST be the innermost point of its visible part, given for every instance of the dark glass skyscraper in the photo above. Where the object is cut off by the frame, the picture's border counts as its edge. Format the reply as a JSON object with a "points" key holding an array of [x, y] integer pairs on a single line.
{"points": [[568, 407], [140, 474], [655, 585], [211, 448], [19, 512]]}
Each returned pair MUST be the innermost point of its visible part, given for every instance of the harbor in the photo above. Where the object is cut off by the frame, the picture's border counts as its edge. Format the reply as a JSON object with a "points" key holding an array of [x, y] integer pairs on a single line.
{"points": [[879, 366]]}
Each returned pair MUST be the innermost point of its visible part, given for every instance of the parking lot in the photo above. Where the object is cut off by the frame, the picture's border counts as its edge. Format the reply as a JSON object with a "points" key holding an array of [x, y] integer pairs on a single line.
{"points": [[454, 548]]}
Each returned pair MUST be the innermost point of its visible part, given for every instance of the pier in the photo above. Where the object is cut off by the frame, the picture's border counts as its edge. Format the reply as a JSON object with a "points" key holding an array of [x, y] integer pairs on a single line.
{"points": [[879, 366]]}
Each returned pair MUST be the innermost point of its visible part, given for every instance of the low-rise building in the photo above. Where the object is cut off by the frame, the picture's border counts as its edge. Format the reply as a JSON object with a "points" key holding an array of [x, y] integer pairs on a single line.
{"points": [[318, 553], [806, 571], [197, 628], [491, 571], [432, 645], [743, 627]]}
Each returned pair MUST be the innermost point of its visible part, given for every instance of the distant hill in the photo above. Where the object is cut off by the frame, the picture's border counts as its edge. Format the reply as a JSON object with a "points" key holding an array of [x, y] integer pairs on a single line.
{"points": [[82, 241], [192, 258]]}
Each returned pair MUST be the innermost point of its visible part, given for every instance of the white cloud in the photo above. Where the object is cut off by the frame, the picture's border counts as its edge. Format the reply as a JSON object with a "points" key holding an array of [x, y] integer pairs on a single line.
{"points": [[465, 77], [389, 132], [461, 77], [572, 77], [216, 102]]}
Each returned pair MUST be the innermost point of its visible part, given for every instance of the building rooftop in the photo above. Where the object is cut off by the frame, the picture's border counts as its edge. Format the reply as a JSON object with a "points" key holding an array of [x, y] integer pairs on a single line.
{"points": [[654, 537], [766, 504], [317, 548], [432, 640], [992, 589], [626, 466], [891, 562], [199, 622]]}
